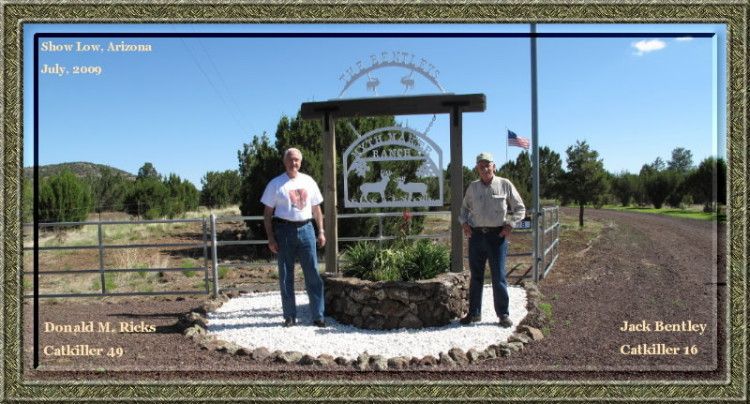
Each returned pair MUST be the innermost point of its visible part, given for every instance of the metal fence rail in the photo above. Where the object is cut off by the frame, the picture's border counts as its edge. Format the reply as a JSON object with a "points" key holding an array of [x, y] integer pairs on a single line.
{"points": [[209, 239], [102, 248], [550, 232]]}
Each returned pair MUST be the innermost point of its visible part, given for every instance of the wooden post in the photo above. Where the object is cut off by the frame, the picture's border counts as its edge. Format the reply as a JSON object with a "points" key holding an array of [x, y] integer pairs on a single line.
{"points": [[329, 193], [457, 190]]}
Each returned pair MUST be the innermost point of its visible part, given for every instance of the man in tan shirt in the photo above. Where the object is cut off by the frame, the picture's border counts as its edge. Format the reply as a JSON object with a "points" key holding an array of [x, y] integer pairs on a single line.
{"points": [[487, 222]]}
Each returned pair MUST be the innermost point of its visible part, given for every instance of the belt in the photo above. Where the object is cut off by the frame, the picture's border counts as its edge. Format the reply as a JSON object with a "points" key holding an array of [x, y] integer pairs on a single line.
{"points": [[488, 229], [279, 220]]}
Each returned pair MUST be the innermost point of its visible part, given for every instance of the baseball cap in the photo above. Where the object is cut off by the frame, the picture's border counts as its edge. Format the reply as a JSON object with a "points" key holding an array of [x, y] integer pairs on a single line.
{"points": [[484, 156]]}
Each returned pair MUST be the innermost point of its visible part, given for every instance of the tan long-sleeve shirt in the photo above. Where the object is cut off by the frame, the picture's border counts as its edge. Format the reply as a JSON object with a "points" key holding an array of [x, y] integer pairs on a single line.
{"points": [[487, 205]]}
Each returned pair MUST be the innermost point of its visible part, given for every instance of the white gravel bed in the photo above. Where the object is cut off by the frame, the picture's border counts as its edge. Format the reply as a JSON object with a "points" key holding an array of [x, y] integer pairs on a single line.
{"points": [[254, 321]]}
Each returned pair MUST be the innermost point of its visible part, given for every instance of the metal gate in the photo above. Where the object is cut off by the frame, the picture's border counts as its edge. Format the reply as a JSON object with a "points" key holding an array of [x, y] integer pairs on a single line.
{"points": [[549, 241], [102, 248]]}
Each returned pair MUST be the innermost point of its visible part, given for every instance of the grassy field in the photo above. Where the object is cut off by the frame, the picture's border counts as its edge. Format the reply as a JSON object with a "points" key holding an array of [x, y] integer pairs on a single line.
{"points": [[690, 212]]}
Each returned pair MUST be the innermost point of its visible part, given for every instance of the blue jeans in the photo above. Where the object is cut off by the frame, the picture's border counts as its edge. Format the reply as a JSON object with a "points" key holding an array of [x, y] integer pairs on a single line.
{"points": [[299, 242], [482, 247]]}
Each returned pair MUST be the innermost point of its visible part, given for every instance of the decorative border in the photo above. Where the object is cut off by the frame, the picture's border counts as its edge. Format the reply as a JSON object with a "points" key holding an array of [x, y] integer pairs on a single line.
{"points": [[732, 13]]}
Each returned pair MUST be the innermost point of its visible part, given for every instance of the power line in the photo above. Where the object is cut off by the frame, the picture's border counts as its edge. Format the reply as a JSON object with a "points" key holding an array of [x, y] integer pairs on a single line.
{"points": [[211, 83], [223, 82]]}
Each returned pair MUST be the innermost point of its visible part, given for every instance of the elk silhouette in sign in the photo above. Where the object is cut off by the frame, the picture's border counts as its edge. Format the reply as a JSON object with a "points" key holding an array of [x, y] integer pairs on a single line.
{"points": [[407, 81], [373, 83], [412, 188], [375, 187]]}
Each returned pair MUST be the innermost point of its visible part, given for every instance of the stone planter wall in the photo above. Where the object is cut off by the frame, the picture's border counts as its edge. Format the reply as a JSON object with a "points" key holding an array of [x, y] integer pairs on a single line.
{"points": [[194, 324], [396, 304]]}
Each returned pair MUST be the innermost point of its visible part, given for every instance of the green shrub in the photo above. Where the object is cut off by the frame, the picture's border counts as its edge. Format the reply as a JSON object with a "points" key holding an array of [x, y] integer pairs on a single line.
{"points": [[387, 265], [361, 257], [402, 261], [152, 197], [425, 260], [220, 188], [64, 198]]}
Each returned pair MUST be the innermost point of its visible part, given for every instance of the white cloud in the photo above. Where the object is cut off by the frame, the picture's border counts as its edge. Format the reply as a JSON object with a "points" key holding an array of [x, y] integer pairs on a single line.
{"points": [[646, 46], [684, 39]]}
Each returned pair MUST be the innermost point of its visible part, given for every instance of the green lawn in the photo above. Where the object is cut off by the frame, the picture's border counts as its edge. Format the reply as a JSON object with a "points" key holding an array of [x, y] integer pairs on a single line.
{"points": [[692, 212]]}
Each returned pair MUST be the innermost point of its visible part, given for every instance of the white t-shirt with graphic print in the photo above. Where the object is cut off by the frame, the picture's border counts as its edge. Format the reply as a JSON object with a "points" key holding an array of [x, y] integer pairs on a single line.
{"points": [[292, 198]]}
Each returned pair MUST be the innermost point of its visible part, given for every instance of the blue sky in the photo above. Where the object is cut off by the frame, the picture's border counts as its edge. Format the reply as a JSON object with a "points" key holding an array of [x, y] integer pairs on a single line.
{"points": [[189, 104]]}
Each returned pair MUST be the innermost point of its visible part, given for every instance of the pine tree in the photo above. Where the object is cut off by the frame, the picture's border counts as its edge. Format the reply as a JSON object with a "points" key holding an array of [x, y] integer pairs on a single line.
{"points": [[585, 180], [64, 198]]}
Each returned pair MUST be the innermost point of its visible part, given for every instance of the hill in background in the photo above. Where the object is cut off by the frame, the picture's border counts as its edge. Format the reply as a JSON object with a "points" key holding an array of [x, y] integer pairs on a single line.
{"points": [[79, 168]]}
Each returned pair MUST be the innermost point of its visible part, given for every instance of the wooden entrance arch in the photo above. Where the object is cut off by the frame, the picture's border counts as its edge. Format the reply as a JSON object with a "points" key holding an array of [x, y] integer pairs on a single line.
{"points": [[452, 104]]}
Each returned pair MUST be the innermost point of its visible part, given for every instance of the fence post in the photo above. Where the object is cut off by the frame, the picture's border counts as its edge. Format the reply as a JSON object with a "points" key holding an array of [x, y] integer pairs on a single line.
{"points": [[101, 258], [205, 252], [543, 247], [214, 256]]}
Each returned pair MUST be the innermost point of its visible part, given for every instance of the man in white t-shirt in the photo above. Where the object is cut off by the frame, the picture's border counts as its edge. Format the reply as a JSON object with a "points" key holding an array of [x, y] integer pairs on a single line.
{"points": [[292, 201]]}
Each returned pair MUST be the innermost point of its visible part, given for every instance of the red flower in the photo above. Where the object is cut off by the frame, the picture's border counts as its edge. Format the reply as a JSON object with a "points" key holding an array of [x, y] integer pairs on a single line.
{"points": [[406, 215]]}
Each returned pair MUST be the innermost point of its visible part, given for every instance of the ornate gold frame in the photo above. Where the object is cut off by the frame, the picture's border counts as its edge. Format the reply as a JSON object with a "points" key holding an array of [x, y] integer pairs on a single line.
{"points": [[732, 13]]}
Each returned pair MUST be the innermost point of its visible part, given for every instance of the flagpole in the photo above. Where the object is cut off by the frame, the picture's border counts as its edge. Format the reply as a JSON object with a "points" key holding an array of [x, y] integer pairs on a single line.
{"points": [[537, 253], [506, 144]]}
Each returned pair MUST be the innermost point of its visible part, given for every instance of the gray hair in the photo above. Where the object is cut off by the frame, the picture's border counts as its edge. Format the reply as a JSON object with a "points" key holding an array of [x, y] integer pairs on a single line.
{"points": [[292, 150]]}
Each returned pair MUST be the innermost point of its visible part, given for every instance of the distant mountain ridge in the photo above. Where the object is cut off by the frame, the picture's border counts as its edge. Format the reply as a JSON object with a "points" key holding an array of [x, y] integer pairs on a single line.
{"points": [[79, 168]]}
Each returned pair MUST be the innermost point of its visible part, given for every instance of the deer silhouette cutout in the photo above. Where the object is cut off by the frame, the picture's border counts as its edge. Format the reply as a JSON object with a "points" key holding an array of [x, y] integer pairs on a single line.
{"points": [[412, 188], [373, 83], [375, 187], [407, 81]]}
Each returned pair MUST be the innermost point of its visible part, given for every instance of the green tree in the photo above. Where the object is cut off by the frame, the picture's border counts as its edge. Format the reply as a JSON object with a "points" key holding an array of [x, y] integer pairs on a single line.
{"points": [[680, 167], [469, 175], [658, 164], [182, 196], [658, 184], [707, 183], [259, 162], [220, 189], [682, 160], [625, 187], [63, 198], [109, 190], [147, 171], [519, 173], [550, 173], [148, 195], [27, 201], [146, 198], [585, 179]]}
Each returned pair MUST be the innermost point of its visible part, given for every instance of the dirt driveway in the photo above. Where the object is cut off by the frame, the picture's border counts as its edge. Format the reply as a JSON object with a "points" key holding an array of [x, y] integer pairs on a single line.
{"points": [[642, 269]]}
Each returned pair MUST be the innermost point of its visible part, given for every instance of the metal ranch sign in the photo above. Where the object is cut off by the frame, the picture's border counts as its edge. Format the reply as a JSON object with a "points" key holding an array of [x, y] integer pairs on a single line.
{"points": [[378, 151], [408, 166]]}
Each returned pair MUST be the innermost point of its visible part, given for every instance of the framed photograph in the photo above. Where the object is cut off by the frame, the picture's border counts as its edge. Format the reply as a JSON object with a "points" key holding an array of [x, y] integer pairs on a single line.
{"points": [[280, 201]]}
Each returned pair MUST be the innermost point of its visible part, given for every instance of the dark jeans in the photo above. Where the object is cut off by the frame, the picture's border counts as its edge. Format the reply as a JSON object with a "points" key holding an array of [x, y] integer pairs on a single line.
{"points": [[299, 242], [483, 247]]}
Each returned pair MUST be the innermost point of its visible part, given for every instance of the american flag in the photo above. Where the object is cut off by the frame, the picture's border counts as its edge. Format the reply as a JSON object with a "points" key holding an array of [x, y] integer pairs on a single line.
{"points": [[518, 141]]}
